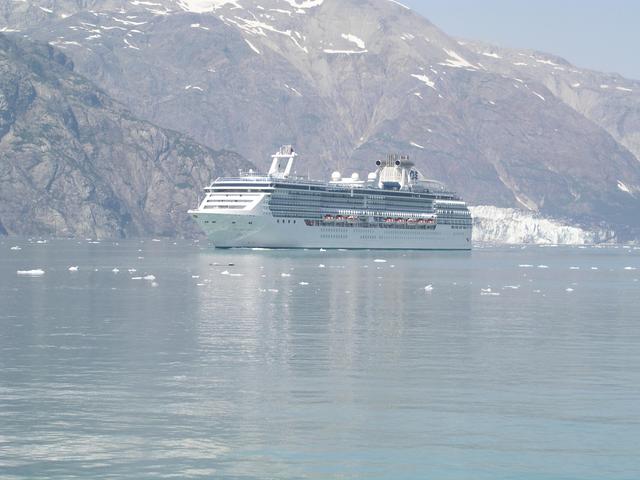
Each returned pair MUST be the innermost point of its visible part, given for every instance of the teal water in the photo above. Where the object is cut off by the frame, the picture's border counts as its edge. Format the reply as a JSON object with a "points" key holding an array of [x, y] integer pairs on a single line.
{"points": [[281, 368]]}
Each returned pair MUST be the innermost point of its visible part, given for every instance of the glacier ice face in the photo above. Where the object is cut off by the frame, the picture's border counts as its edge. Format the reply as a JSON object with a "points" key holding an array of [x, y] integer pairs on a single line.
{"points": [[512, 226]]}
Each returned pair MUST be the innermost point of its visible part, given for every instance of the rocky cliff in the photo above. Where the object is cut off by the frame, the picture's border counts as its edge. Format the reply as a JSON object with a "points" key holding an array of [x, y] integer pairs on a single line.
{"points": [[75, 162]]}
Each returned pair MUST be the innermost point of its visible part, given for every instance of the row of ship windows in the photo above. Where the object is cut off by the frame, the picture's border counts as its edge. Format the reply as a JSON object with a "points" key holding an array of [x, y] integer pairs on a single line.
{"points": [[311, 193], [209, 207], [345, 201]]}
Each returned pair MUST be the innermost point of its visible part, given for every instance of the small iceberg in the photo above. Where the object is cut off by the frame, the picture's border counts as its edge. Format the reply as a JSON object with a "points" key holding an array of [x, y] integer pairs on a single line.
{"points": [[574, 268], [512, 287], [569, 289], [543, 266], [525, 265], [303, 283], [115, 270], [226, 272], [321, 266], [37, 272], [285, 274], [428, 288], [488, 291], [16, 248], [74, 268], [379, 260], [149, 277], [629, 268]]}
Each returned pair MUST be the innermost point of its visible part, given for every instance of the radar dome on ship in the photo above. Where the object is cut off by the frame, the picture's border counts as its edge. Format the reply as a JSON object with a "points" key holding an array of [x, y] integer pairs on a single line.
{"points": [[355, 176], [335, 176], [372, 176]]}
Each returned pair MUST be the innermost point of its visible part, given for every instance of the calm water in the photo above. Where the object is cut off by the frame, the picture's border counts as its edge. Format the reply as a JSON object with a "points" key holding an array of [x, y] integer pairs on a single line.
{"points": [[276, 367]]}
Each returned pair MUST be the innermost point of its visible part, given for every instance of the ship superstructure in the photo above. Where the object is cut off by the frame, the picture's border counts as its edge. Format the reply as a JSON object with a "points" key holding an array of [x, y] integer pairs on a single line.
{"points": [[395, 207]]}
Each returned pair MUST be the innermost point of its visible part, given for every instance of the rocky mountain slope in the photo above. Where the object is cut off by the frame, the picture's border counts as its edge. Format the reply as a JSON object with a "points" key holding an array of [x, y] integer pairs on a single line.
{"points": [[75, 162], [347, 81]]}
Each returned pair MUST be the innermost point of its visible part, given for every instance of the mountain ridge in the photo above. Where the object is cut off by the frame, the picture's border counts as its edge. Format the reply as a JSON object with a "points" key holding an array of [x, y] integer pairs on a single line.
{"points": [[347, 82]]}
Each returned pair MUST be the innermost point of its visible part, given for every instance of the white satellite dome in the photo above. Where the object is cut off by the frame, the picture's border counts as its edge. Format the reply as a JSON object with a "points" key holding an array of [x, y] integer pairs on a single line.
{"points": [[372, 176], [335, 176], [355, 176]]}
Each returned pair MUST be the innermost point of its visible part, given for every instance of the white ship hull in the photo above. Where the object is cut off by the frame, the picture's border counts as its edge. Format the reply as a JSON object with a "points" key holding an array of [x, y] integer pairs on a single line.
{"points": [[258, 231]]}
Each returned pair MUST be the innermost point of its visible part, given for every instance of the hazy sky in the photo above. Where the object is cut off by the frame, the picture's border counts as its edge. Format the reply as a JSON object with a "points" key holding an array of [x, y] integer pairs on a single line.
{"points": [[598, 34]]}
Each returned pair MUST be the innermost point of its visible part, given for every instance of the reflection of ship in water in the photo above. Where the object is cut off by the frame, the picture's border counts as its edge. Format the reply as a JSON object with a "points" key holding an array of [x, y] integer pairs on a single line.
{"points": [[394, 208]]}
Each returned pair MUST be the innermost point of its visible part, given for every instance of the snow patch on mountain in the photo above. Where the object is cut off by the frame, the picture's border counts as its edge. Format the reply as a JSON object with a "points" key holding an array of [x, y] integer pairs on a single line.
{"points": [[302, 4], [353, 39], [252, 46], [455, 60], [622, 187], [203, 6], [401, 4], [512, 226], [424, 79]]}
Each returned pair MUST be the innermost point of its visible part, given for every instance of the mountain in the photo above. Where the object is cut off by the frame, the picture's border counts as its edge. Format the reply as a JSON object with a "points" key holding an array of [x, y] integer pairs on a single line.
{"points": [[347, 81], [75, 162]]}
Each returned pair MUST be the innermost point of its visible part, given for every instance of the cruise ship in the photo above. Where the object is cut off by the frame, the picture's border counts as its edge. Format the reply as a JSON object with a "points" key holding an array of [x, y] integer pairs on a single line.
{"points": [[394, 208]]}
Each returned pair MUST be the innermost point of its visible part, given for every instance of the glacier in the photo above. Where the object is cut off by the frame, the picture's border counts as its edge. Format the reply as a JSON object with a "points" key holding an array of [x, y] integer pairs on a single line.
{"points": [[513, 226]]}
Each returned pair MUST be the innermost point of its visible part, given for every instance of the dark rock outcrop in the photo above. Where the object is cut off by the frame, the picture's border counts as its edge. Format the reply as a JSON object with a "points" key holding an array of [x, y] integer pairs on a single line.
{"points": [[75, 162]]}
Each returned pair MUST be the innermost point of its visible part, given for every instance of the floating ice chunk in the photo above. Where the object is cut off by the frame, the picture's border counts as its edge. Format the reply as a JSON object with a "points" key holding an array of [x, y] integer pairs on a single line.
{"points": [[274, 290], [236, 275], [380, 260], [323, 249], [132, 270], [512, 287], [574, 268], [226, 272], [31, 273], [321, 266], [536, 291], [16, 248], [525, 265], [41, 241], [629, 268], [115, 270], [285, 274], [488, 291], [149, 277], [303, 283], [428, 288], [156, 240], [195, 276], [136, 278], [74, 268], [568, 289], [543, 266], [200, 284], [154, 284], [594, 268]]}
